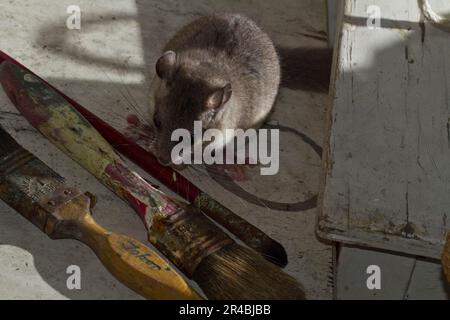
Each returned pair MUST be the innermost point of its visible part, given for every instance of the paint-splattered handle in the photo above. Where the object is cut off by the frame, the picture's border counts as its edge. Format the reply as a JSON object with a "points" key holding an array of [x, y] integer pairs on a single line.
{"points": [[60, 123], [181, 232], [40, 195], [136, 265], [146, 200]]}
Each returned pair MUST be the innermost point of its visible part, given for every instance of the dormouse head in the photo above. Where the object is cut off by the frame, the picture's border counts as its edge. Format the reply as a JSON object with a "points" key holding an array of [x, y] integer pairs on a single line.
{"points": [[186, 89]]}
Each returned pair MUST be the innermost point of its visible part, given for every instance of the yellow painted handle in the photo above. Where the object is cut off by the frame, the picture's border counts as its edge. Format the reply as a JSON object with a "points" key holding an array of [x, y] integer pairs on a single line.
{"points": [[134, 264], [142, 269]]}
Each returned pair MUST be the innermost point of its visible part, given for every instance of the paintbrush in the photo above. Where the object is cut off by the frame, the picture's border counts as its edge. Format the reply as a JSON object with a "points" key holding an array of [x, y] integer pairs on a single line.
{"points": [[222, 268], [256, 239], [246, 232], [62, 212]]}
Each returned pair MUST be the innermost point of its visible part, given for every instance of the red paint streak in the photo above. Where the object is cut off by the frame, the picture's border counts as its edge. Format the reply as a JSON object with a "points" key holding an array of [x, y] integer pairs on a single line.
{"points": [[133, 120], [15, 89], [130, 184], [139, 207], [139, 133]]}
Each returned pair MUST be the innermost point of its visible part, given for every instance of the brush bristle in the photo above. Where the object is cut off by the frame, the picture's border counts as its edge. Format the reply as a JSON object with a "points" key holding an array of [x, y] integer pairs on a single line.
{"points": [[7, 144], [239, 273]]}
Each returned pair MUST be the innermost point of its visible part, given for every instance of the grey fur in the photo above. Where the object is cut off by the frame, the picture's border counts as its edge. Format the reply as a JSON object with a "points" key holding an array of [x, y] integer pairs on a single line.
{"points": [[211, 53]]}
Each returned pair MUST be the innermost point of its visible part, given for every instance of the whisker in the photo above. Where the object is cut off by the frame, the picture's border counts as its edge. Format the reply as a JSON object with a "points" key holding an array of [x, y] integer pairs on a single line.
{"points": [[115, 115], [111, 123], [134, 103], [123, 95]]}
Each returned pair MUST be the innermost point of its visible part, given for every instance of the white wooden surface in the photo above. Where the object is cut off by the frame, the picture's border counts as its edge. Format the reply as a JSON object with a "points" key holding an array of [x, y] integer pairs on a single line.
{"points": [[401, 277], [387, 177]]}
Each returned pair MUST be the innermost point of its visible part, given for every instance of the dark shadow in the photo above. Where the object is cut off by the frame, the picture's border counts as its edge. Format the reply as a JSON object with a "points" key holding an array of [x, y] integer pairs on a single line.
{"points": [[305, 68], [57, 43]]}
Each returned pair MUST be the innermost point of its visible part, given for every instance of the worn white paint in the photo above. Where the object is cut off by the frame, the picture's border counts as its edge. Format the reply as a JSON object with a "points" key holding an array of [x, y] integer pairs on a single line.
{"points": [[401, 277], [387, 179]]}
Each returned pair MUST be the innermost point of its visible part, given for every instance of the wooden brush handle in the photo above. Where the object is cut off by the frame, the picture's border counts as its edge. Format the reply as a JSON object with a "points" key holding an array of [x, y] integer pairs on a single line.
{"points": [[135, 265], [60, 123]]}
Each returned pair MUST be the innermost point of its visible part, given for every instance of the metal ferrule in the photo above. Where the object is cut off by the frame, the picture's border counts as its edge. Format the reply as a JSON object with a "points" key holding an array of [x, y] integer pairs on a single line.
{"points": [[187, 237], [32, 188]]}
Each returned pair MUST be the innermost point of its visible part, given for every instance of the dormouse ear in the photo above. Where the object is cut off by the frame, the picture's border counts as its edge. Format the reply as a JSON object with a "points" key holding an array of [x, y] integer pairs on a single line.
{"points": [[166, 65], [219, 97]]}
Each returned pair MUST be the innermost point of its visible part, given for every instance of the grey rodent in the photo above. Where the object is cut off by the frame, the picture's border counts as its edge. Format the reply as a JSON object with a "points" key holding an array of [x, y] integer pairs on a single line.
{"points": [[221, 69]]}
